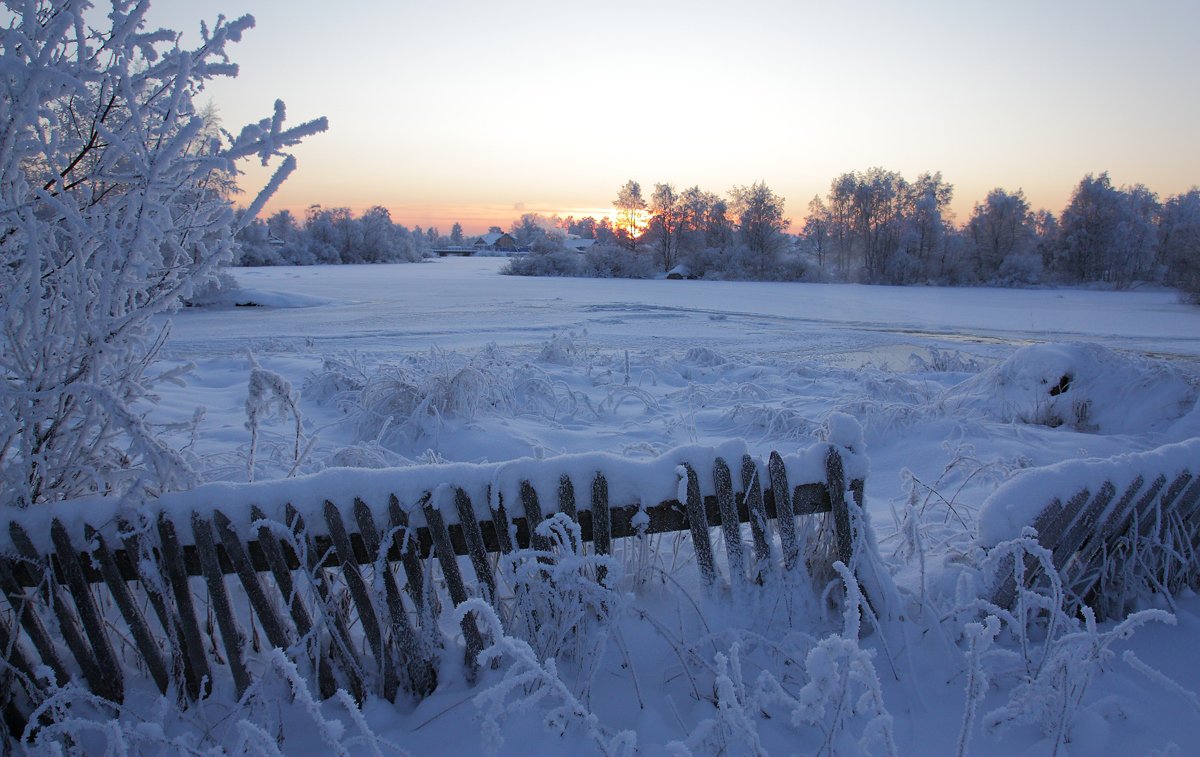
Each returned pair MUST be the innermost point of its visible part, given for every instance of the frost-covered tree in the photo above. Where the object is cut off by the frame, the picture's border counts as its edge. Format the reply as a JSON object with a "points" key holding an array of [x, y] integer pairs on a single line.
{"points": [[256, 245], [817, 228], [379, 243], [584, 228], [759, 214], [1001, 228], [925, 230], [532, 227], [704, 220], [631, 212], [1179, 241], [112, 209], [1107, 233], [666, 220]]}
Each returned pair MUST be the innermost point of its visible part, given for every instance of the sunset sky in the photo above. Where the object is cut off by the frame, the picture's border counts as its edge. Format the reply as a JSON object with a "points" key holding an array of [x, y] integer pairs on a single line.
{"points": [[477, 111]]}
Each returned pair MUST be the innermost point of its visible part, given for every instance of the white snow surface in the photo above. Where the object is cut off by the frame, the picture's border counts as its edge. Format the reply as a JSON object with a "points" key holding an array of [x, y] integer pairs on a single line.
{"points": [[944, 394]]}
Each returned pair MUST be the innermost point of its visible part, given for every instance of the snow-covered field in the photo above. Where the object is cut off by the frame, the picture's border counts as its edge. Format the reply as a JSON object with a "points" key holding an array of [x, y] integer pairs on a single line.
{"points": [[450, 361], [514, 367]]}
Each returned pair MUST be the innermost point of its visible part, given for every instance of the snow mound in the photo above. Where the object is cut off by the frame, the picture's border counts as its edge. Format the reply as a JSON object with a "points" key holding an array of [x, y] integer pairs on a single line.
{"points": [[243, 297], [704, 357], [1086, 387], [844, 430]]}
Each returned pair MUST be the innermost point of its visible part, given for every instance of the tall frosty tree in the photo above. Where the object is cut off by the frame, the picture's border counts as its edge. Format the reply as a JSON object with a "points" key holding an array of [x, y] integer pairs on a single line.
{"points": [[112, 209], [631, 207]]}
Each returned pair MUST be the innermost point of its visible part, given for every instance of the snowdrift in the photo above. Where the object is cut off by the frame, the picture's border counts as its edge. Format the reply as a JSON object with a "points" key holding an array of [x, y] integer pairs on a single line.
{"points": [[1085, 387]]}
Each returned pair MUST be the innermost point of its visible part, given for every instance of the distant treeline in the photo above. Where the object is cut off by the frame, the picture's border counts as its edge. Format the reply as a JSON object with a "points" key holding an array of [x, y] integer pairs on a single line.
{"points": [[872, 227], [878, 227], [332, 235]]}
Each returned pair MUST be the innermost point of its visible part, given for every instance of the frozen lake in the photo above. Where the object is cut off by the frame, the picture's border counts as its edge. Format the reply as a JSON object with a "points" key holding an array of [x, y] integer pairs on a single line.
{"points": [[455, 303]]}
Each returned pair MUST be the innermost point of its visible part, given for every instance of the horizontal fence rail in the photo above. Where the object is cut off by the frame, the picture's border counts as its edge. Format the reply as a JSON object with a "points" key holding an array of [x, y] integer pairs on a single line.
{"points": [[173, 595]]}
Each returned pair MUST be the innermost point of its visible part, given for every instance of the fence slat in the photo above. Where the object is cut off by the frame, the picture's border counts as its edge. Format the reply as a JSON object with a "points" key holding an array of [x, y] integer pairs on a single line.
{"points": [[698, 525], [341, 642], [1126, 519], [1048, 525], [533, 516], [1100, 535], [454, 583], [475, 549], [566, 505], [19, 662], [783, 511], [1189, 499], [422, 677], [1081, 526], [836, 481], [367, 614], [88, 613], [756, 513], [145, 561], [27, 617], [143, 637], [1052, 524], [1116, 523], [566, 498], [273, 625], [13, 654], [218, 599], [409, 546], [190, 639], [1146, 522], [730, 523], [67, 622], [277, 564], [601, 523], [501, 523]]}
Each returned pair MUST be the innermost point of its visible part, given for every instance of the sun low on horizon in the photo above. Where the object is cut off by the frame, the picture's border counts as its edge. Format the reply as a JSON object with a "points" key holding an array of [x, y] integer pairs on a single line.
{"points": [[476, 112]]}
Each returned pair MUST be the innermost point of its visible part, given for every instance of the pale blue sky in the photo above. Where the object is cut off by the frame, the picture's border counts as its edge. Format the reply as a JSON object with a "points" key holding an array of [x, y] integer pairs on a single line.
{"points": [[470, 109]]}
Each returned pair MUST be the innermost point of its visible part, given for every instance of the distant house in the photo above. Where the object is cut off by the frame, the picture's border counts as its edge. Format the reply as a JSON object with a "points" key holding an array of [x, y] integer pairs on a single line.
{"points": [[496, 241], [577, 244]]}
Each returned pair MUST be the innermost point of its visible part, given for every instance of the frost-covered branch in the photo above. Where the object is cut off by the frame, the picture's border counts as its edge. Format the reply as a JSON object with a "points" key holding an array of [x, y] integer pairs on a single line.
{"points": [[113, 207]]}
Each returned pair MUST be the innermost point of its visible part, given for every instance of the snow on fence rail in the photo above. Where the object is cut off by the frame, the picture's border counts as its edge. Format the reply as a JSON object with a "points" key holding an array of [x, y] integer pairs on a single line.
{"points": [[337, 569], [1124, 525]]}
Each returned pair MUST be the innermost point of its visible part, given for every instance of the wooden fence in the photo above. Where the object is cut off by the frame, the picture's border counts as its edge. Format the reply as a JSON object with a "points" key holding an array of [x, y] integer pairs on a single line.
{"points": [[185, 599], [1122, 527]]}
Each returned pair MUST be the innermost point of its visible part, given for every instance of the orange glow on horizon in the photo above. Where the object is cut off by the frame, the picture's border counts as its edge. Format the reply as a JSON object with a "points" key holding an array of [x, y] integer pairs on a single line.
{"points": [[637, 222]]}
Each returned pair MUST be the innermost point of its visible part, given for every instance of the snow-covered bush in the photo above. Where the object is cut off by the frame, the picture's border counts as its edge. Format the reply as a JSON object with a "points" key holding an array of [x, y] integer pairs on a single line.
{"points": [[613, 262], [529, 681], [1041, 647], [269, 393], [220, 290], [1052, 695], [553, 263], [843, 693], [1020, 269], [560, 608], [408, 403], [113, 207]]}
